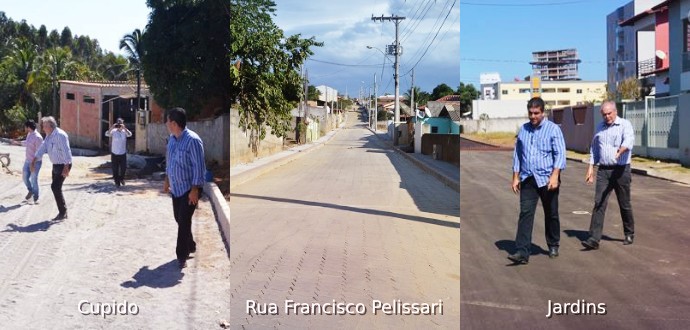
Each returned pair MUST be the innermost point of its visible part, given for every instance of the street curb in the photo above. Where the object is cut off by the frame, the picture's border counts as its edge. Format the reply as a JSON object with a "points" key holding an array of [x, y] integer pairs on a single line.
{"points": [[251, 174], [221, 211], [455, 185]]}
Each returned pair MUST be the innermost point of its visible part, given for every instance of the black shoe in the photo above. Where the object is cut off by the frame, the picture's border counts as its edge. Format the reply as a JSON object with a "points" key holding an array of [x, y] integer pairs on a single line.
{"points": [[60, 216], [590, 244], [29, 195], [182, 263], [553, 251], [628, 239], [122, 182], [518, 258], [192, 250]]}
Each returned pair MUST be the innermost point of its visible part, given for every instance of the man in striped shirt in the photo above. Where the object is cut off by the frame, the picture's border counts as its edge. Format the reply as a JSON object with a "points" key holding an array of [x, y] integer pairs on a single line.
{"points": [[611, 148], [538, 160], [56, 145], [184, 179], [30, 176]]}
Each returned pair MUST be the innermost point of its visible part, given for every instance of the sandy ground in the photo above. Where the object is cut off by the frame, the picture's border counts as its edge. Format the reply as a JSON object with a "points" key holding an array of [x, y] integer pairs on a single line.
{"points": [[116, 249]]}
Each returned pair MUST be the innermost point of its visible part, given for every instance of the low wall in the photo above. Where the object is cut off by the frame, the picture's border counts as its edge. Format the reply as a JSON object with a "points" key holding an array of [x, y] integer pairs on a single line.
{"points": [[241, 149], [213, 132], [449, 144], [492, 125]]}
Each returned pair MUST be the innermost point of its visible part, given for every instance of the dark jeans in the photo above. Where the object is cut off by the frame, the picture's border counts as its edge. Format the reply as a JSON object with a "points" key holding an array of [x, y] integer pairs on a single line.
{"points": [[119, 163], [618, 179], [529, 195], [56, 186], [183, 215]]}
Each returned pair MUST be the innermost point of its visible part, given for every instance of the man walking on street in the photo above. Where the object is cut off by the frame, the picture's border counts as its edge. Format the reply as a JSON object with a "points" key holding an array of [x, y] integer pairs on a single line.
{"points": [[184, 178], [611, 148], [56, 145], [538, 160], [118, 150], [30, 176]]}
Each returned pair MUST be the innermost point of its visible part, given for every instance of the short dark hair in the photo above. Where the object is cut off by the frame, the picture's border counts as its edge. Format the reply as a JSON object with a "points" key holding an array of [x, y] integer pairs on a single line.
{"points": [[535, 102], [178, 115], [30, 124]]}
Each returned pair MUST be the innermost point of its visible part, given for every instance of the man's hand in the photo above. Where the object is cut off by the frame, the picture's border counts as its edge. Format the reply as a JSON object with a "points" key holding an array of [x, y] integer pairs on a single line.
{"points": [[65, 170], [553, 182], [194, 196], [589, 177], [516, 185], [166, 185]]}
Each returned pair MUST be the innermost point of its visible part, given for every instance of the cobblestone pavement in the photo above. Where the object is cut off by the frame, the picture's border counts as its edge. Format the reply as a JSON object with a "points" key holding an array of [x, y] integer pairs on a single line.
{"points": [[351, 222], [117, 248]]}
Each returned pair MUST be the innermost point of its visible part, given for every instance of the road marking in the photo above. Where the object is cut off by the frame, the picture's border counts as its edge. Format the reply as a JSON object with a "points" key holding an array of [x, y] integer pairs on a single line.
{"points": [[581, 212]]}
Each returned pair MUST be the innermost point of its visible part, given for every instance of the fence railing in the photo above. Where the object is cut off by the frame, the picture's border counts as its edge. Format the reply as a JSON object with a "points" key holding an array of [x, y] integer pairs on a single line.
{"points": [[655, 121]]}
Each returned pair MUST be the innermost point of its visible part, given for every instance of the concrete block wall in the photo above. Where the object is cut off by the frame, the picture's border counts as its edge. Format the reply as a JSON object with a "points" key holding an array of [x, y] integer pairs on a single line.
{"points": [[214, 133]]}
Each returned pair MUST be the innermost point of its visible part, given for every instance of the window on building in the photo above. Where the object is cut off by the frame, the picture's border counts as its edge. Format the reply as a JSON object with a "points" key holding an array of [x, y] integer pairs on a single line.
{"points": [[434, 129], [564, 90], [578, 91], [89, 99], [69, 96], [548, 90], [504, 92], [563, 102], [524, 90], [550, 102]]}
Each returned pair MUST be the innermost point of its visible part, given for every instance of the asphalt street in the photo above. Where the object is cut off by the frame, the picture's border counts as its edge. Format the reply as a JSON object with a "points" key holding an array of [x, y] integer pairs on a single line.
{"points": [[643, 286], [350, 222]]}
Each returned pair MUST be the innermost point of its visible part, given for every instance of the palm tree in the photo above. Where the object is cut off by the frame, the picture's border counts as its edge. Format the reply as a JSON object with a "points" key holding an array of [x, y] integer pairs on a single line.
{"points": [[131, 44], [23, 61], [57, 62]]}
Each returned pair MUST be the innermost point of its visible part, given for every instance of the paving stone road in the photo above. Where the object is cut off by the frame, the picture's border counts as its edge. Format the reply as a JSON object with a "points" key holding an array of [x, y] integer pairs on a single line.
{"points": [[350, 222]]}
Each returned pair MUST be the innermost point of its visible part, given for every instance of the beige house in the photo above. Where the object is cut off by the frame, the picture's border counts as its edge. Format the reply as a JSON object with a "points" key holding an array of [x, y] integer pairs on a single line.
{"points": [[555, 93]]}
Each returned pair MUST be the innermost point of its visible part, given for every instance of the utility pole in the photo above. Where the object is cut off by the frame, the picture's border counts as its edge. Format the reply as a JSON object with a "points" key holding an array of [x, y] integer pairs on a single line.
{"points": [[376, 105], [397, 51], [412, 105]]}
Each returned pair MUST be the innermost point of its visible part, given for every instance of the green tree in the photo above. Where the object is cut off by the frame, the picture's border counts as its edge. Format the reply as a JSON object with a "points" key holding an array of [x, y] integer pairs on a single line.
{"points": [[420, 97], [441, 91], [66, 38], [467, 94], [312, 93], [57, 63], [23, 64], [187, 65], [267, 71]]}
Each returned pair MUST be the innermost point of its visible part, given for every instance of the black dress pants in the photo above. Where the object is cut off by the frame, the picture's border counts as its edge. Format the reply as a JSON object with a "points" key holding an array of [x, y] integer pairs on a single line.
{"points": [[183, 213], [119, 163], [618, 179], [56, 186], [530, 194]]}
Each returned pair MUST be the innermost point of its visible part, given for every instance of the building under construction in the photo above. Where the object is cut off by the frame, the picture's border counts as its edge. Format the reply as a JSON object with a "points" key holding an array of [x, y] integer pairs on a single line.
{"points": [[555, 64]]}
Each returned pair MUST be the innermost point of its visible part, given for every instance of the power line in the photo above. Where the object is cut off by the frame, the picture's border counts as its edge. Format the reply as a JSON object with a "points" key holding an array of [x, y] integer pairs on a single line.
{"points": [[344, 64], [470, 3], [436, 35]]}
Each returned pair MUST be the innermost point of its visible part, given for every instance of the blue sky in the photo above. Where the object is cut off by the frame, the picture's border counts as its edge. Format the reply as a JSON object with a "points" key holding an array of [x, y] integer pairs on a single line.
{"points": [[345, 26], [500, 35]]}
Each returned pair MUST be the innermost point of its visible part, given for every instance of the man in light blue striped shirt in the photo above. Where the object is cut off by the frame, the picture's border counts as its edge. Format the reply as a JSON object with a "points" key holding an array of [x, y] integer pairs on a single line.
{"points": [[538, 159], [185, 169], [611, 148], [56, 144]]}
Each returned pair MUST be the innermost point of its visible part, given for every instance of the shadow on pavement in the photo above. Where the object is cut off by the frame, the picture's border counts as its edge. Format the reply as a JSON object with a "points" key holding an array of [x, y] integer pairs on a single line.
{"points": [[354, 209], [4, 208], [509, 247], [164, 276], [583, 235], [36, 227], [419, 195]]}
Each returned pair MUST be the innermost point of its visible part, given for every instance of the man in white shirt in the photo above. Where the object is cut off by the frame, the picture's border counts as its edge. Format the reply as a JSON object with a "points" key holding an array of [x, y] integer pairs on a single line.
{"points": [[118, 135]]}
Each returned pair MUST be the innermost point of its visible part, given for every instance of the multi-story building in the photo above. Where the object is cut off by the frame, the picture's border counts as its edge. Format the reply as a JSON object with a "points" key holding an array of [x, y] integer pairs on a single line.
{"points": [[555, 93], [555, 64]]}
